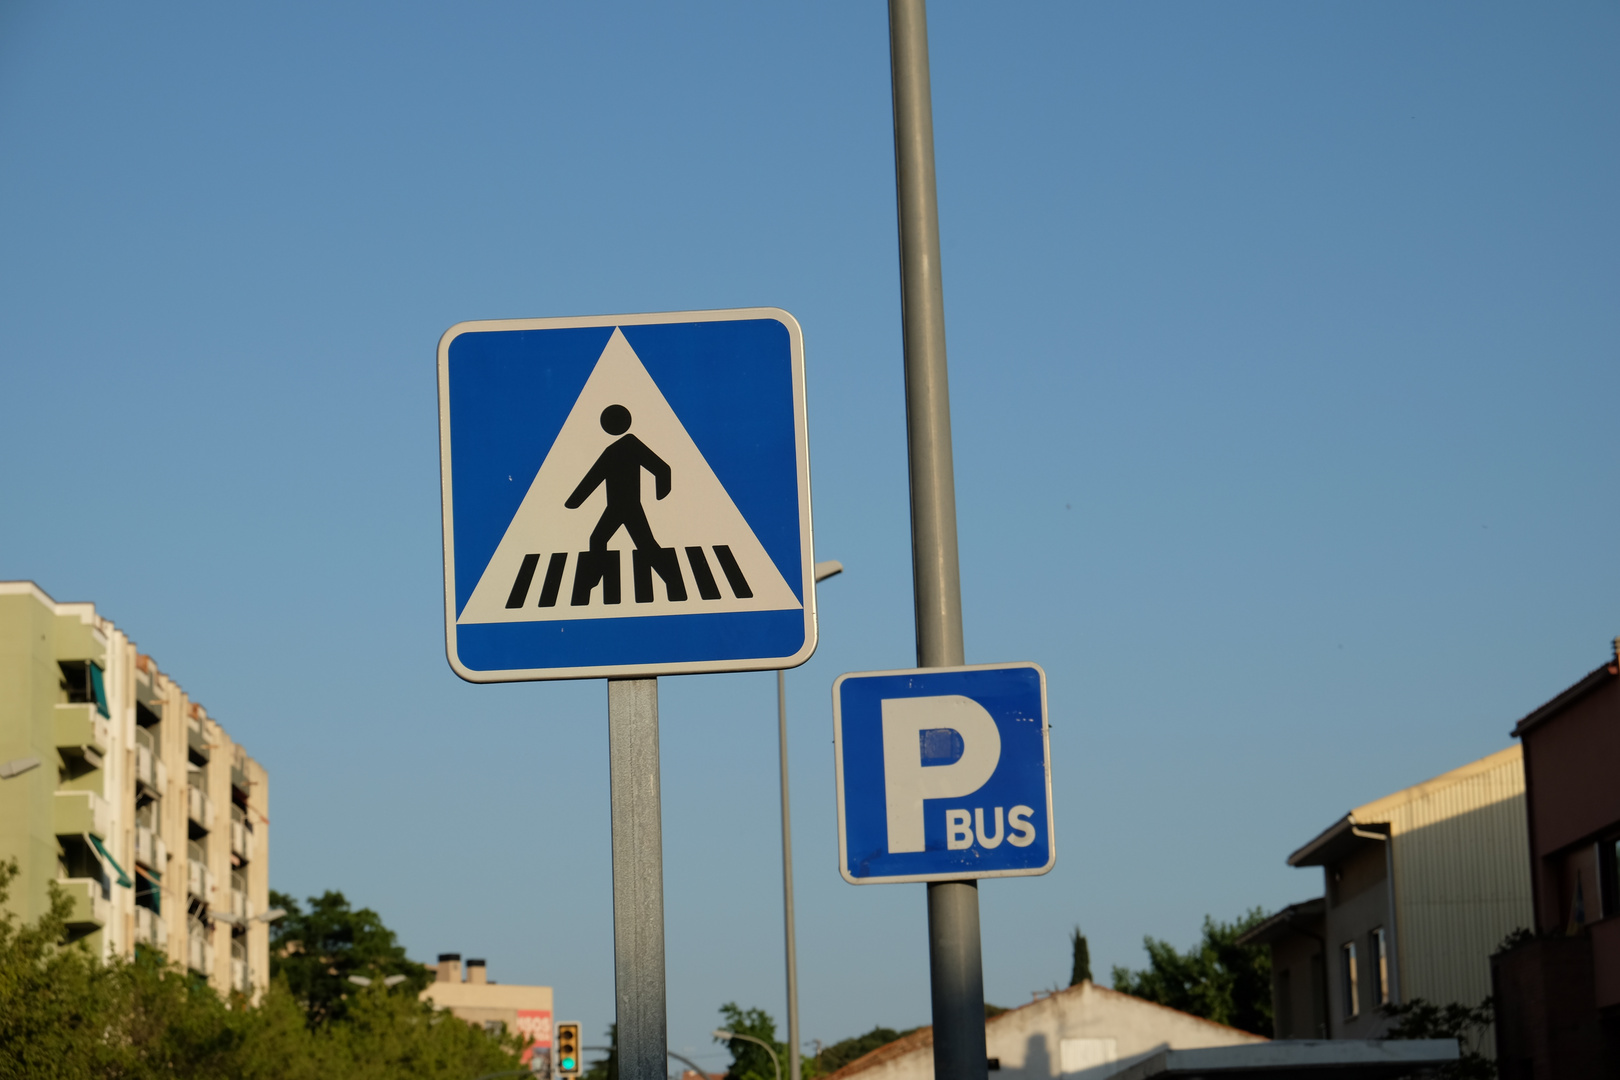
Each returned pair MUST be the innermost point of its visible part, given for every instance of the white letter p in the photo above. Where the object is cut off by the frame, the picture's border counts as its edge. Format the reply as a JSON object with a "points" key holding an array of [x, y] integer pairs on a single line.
{"points": [[907, 781]]}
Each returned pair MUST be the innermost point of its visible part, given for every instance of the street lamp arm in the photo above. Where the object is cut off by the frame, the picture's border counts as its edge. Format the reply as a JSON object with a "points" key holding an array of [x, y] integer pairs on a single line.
{"points": [[721, 1033]]}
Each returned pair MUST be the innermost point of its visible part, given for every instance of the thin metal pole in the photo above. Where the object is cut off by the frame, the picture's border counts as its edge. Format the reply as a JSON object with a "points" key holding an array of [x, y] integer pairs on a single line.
{"points": [[787, 885], [638, 879], [955, 963], [935, 578]]}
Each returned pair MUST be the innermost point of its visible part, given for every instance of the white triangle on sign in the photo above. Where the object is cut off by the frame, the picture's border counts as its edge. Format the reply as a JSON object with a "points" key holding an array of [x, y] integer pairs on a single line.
{"points": [[705, 548]]}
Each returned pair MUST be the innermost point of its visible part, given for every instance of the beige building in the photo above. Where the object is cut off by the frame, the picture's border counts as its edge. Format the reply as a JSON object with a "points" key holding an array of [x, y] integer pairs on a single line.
{"points": [[1420, 888], [1086, 1032], [521, 1010], [124, 791]]}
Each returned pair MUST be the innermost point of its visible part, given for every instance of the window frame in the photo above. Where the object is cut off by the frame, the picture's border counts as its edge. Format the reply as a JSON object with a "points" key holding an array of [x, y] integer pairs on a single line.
{"points": [[1349, 982], [1378, 953]]}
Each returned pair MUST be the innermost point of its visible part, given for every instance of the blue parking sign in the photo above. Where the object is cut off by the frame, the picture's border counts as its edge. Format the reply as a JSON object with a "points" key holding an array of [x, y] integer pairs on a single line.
{"points": [[943, 774]]}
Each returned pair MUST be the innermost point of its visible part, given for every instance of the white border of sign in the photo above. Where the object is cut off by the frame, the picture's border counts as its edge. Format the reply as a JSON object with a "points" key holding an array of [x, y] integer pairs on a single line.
{"points": [[802, 453], [838, 761]]}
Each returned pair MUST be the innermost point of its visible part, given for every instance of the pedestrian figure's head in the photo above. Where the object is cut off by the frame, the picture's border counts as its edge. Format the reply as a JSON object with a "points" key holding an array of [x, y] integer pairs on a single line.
{"points": [[615, 419]]}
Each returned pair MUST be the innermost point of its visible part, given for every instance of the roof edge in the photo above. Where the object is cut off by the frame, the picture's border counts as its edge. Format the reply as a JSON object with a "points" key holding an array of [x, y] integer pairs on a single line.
{"points": [[1367, 812], [1321, 840], [1266, 931], [1587, 684]]}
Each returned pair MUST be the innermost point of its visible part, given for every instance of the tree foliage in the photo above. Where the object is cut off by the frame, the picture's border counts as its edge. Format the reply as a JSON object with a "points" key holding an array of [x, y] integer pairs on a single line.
{"points": [[1217, 979], [835, 1057], [1420, 1019], [749, 1060], [64, 1015], [317, 950], [1081, 970], [607, 1068]]}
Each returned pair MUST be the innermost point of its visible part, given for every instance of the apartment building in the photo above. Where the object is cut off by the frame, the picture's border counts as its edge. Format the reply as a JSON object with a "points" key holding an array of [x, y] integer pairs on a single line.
{"points": [[1420, 888], [514, 1008], [127, 794]]}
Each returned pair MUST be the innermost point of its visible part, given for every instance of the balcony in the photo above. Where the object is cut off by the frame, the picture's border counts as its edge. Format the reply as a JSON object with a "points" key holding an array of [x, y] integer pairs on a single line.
{"points": [[241, 974], [199, 880], [81, 727], [150, 929], [199, 953], [238, 837], [90, 908], [80, 812], [241, 906], [143, 766], [196, 740], [150, 850], [199, 807]]}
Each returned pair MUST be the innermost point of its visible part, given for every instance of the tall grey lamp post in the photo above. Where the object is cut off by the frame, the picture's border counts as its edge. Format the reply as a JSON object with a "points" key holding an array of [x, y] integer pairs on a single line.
{"points": [[824, 570], [955, 965]]}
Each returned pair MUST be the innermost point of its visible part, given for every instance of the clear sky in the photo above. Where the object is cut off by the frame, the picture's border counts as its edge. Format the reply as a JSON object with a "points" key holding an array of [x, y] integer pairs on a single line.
{"points": [[1283, 356]]}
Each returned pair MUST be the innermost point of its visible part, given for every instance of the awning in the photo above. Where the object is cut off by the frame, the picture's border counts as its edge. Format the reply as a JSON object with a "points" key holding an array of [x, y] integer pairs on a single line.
{"points": [[155, 880], [123, 878], [99, 689]]}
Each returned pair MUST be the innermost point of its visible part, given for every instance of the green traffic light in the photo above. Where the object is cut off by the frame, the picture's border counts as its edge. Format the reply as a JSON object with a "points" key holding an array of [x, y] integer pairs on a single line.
{"points": [[568, 1064]]}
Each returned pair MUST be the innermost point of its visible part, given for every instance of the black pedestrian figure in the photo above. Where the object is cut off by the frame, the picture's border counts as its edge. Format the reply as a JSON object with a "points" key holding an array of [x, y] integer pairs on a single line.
{"points": [[619, 468]]}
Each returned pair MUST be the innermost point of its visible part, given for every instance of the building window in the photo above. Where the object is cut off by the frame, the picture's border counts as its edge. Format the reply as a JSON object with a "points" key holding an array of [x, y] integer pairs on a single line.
{"points": [[1608, 854], [1378, 954], [1348, 982]]}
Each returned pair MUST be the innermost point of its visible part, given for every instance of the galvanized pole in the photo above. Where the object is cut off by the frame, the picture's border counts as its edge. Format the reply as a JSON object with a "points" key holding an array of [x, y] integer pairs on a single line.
{"points": [[638, 878], [956, 971], [787, 885]]}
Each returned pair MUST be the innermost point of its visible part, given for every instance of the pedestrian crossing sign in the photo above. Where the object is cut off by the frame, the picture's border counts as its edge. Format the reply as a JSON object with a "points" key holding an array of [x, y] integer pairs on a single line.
{"points": [[625, 495]]}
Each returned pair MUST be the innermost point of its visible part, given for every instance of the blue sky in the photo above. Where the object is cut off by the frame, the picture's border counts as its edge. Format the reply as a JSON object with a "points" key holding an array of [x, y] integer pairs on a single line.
{"points": [[1283, 358]]}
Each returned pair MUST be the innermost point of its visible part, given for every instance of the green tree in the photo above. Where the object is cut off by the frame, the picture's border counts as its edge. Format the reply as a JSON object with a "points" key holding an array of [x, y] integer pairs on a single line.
{"points": [[1081, 971], [317, 950], [608, 1067], [749, 1061], [835, 1057], [64, 1015], [1419, 1019], [50, 996], [1217, 979]]}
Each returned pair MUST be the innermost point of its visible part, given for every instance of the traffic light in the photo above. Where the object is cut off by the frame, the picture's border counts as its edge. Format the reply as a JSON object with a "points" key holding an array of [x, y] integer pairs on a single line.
{"points": [[568, 1058]]}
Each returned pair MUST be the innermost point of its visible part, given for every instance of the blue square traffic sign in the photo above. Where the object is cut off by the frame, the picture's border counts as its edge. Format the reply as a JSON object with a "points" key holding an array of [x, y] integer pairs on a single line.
{"points": [[943, 774], [625, 495]]}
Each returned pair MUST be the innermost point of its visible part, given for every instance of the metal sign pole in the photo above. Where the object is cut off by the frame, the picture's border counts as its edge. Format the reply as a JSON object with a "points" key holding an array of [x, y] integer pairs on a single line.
{"points": [[956, 972], [638, 879], [794, 1067]]}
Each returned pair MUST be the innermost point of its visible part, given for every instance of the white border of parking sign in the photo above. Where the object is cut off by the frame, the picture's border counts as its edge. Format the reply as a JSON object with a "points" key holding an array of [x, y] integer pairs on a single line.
{"points": [[959, 874]]}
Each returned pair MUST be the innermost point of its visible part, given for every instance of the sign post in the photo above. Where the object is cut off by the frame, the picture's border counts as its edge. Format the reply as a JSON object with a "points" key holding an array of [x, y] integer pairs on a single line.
{"points": [[956, 972], [627, 497], [638, 877]]}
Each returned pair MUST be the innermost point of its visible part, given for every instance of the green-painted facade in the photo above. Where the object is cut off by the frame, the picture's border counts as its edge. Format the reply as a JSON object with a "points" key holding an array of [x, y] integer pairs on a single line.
{"points": [[36, 717]]}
